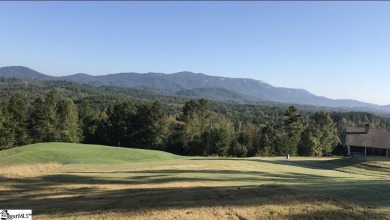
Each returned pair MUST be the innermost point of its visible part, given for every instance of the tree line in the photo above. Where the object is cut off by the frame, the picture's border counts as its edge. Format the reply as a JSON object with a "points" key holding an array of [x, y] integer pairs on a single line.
{"points": [[197, 128]]}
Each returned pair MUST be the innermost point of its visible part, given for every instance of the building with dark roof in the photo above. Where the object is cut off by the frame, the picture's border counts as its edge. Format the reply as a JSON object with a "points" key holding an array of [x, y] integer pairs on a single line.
{"points": [[367, 141]]}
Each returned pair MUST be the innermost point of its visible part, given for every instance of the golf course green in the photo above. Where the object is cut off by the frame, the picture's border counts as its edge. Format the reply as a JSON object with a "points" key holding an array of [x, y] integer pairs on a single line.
{"points": [[65, 153]]}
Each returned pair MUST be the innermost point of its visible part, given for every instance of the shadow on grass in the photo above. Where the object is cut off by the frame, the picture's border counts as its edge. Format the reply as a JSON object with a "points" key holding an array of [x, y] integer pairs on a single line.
{"points": [[167, 176], [68, 193], [332, 164], [88, 199], [236, 173]]}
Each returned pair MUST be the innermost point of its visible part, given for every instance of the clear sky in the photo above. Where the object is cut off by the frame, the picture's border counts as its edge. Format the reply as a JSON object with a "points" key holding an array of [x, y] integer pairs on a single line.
{"points": [[332, 49]]}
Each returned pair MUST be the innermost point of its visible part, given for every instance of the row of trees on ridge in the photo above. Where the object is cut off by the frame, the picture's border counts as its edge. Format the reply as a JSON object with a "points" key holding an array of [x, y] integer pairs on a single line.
{"points": [[196, 130]]}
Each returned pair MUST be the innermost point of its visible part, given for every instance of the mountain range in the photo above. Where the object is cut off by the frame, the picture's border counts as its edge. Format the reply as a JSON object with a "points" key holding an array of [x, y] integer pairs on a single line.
{"points": [[198, 85]]}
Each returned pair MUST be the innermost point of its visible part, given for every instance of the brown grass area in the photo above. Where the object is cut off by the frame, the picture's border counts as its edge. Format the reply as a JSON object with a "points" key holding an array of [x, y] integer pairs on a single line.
{"points": [[92, 201], [227, 203], [203, 188], [297, 211], [379, 164], [26, 170]]}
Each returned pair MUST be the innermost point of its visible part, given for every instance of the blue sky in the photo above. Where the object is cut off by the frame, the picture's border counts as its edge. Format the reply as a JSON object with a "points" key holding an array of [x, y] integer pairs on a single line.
{"points": [[332, 49]]}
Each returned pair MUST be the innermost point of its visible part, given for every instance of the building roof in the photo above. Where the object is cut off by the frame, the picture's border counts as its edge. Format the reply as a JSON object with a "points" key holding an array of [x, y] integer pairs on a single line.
{"points": [[377, 138]]}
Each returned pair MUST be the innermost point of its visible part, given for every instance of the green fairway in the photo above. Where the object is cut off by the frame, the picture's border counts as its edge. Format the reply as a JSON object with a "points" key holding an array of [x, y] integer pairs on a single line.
{"points": [[97, 182], [65, 153]]}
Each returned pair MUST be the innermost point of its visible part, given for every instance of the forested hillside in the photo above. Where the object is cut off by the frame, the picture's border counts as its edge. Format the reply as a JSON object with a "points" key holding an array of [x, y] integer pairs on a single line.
{"points": [[198, 85], [60, 111]]}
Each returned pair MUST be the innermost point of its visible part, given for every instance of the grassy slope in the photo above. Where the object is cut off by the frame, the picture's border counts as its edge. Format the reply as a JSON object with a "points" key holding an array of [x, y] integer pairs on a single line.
{"points": [[66, 153], [197, 187]]}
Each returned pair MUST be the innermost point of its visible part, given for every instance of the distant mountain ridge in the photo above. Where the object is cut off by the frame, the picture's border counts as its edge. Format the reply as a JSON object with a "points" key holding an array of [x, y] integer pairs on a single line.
{"points": [[199, 85], [23, 73]]}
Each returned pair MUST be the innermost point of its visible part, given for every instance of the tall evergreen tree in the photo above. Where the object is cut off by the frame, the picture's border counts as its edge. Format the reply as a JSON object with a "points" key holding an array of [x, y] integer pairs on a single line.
{"points": [[197, 124], [69, 122], [88, 121], [320, 137], [120, 124], [268, 140], [17, 111], [293, 127], [7, 137], [50, 111], [151, 127], [309, 144], [101, 133], [37, 121], [326, 131]]}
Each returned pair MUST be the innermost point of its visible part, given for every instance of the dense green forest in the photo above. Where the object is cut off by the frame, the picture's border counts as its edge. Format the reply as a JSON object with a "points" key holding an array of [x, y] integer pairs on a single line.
{"points": [[51, 111]]}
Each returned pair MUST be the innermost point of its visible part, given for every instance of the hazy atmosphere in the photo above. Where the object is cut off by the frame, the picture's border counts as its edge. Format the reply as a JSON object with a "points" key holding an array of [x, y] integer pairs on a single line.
{"points": [[332, 49]]}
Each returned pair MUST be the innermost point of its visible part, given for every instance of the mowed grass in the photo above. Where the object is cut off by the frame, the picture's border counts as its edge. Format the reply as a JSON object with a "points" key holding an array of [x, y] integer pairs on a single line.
{"points": [[65, 153], [204, 188]]}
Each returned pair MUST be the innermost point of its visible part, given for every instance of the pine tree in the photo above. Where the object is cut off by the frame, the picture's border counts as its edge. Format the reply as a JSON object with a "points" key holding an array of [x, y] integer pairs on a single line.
{"points": [[69, 122], [51, 124], [308, 144], [7, 137], [197, 118], [267, 140], [293, 126], [120, 124], [319, 137], [326, 132], [37, 121], [88, 121], [17, 111], [101, 133], [151, 127]]}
